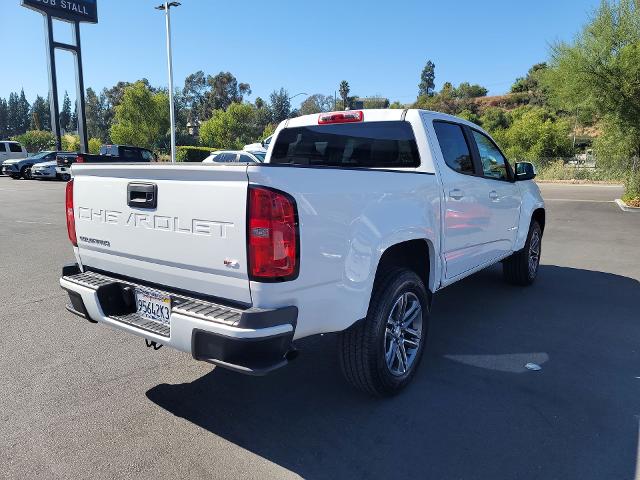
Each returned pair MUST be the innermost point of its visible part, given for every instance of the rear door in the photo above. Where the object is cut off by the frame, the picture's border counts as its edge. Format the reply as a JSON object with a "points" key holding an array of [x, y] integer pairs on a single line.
{"points": [[179, 226]]}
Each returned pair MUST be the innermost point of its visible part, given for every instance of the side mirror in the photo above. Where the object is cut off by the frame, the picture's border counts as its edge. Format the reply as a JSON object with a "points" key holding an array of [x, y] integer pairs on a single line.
{"points": [[525, 171]]}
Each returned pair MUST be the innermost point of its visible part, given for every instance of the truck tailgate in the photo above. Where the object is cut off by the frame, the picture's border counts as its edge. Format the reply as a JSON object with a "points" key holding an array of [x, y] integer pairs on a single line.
{"points": [[194, 239]]}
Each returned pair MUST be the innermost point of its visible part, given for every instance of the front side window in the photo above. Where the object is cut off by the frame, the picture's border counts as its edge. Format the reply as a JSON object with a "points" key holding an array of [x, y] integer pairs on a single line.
{"points": [[147, 155], [494, 165], [2, 147], [454, 147], [15, 147], [371, 144]]}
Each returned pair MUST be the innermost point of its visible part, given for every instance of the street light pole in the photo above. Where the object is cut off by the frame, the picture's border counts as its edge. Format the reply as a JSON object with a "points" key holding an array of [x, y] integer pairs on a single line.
{"points": [[166, 6]]}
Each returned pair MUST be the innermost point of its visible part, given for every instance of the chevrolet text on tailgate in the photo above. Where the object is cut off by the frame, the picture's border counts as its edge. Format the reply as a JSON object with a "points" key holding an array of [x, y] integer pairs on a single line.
{"points": [[351, 225]]}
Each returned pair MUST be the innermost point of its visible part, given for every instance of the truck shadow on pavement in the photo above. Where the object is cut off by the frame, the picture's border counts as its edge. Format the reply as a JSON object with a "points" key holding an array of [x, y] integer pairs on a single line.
{"points": [[473, 410]]}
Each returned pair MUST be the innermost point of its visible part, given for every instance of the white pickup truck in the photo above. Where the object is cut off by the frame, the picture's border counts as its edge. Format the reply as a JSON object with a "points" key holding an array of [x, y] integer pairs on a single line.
{"points": [[351, 225]]}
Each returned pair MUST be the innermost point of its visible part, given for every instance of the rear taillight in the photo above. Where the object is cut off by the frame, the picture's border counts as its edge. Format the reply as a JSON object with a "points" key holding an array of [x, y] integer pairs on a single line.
{"points": [[71, 220], [79, 159], [341, 117], [273, 240]]}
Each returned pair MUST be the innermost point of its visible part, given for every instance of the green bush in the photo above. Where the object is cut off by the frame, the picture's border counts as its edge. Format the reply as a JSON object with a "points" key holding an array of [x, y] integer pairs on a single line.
{"points": [[192, 154], [37, 140], [94, 145], [632, 188]]}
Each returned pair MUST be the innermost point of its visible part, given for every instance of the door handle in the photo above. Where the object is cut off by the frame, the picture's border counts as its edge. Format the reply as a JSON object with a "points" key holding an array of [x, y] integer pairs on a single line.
{"points": [[493, 195], [142, 195], [456, 194]]}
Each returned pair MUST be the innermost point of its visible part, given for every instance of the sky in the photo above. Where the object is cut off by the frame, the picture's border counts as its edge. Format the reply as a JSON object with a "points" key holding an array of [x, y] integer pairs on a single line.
{"points": [[305, 46]]}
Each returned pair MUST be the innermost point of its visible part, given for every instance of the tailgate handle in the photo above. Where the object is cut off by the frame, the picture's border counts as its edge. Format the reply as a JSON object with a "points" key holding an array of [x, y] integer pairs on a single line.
{"points": [[142, 195]]}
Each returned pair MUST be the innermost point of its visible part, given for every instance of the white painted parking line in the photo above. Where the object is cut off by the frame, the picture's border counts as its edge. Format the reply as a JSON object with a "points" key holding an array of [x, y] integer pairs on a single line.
{"points": [[576, 200], [34, 223]]}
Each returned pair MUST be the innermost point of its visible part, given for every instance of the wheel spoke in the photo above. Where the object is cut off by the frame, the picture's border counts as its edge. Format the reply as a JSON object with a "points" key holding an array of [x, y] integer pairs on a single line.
{"points": [[411, 314], [403, 358], [410, 343], [391, 353]]}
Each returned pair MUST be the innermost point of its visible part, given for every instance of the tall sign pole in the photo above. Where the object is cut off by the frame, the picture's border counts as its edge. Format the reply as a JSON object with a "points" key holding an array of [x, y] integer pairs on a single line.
{"points": [[74, 12], [166, 6], [53, 81]]}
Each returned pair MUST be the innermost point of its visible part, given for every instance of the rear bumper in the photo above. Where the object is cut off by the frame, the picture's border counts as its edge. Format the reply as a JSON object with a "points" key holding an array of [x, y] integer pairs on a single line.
{"points": [[248, 340]]}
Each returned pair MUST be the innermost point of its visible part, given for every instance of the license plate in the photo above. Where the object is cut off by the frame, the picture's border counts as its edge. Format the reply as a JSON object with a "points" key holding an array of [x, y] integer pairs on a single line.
{"points": [[154, 306]]}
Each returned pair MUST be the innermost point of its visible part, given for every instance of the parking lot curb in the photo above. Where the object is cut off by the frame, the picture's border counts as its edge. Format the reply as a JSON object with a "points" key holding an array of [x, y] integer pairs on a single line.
{"points": [[626, 208]]}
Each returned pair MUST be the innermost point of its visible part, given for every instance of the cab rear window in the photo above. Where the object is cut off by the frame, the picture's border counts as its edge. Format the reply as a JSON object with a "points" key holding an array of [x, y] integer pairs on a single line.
{"points": [[370, 144]]}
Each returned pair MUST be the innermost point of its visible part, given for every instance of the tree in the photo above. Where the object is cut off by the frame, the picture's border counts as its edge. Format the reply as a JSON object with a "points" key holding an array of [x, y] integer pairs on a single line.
{"points": [[65, 113], [4, 120], [73, 123], [466, 90], [23, 113], [532, 85], [531, 82], [600, 69], [194, 92], [96, 113], [142, 118], [535, 134], [494, 119], [13, 115], [224, 90], [280, 105], [232, 128], [344, 94], [316, 103], [40, 114], [427, 80], [396, 105]]}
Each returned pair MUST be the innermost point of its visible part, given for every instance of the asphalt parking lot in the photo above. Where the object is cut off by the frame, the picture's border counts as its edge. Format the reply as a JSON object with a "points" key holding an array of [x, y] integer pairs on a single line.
{"points": [[84, 401]]}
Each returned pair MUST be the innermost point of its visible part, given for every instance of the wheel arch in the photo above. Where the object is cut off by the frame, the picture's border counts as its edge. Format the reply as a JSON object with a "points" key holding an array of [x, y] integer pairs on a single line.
{"points": [[417, 255]]}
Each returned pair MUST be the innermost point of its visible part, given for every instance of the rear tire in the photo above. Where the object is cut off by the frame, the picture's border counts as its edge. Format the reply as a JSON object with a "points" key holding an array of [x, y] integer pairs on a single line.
{"points": [[380, 354], [521, 268], [65, 177]]}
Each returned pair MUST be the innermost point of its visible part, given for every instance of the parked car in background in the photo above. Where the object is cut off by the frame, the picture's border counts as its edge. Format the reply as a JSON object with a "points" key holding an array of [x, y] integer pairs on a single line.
{"points": [[260, 146], [351, 225], [21, 167], [108, 153], [235, 156], [45, 170], [11, 150]]}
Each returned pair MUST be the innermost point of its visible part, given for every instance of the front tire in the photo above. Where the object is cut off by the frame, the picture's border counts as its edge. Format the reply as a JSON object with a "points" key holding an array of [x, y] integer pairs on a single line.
{"points": [[521, 268], [380, 354], [26, 173]]}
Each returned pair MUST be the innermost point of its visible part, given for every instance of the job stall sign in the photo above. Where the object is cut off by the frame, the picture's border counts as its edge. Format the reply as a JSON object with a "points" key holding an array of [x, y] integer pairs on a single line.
{"points": [[69, 10]]}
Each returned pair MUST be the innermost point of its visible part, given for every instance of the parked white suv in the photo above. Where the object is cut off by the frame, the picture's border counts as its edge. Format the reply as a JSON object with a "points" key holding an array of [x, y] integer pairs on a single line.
{"points": [[10, 150], [355, 220]]}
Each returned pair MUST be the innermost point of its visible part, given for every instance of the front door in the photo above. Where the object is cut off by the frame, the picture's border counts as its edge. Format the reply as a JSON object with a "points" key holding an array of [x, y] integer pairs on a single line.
{"points": [[501, 194]]}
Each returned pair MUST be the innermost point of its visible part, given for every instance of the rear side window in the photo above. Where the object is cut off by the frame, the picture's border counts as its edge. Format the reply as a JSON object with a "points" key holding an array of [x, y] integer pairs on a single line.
{"points": [[226, 158], [147, 155], [15, 147], [371, 144], [455, 149], [2, 147]]}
